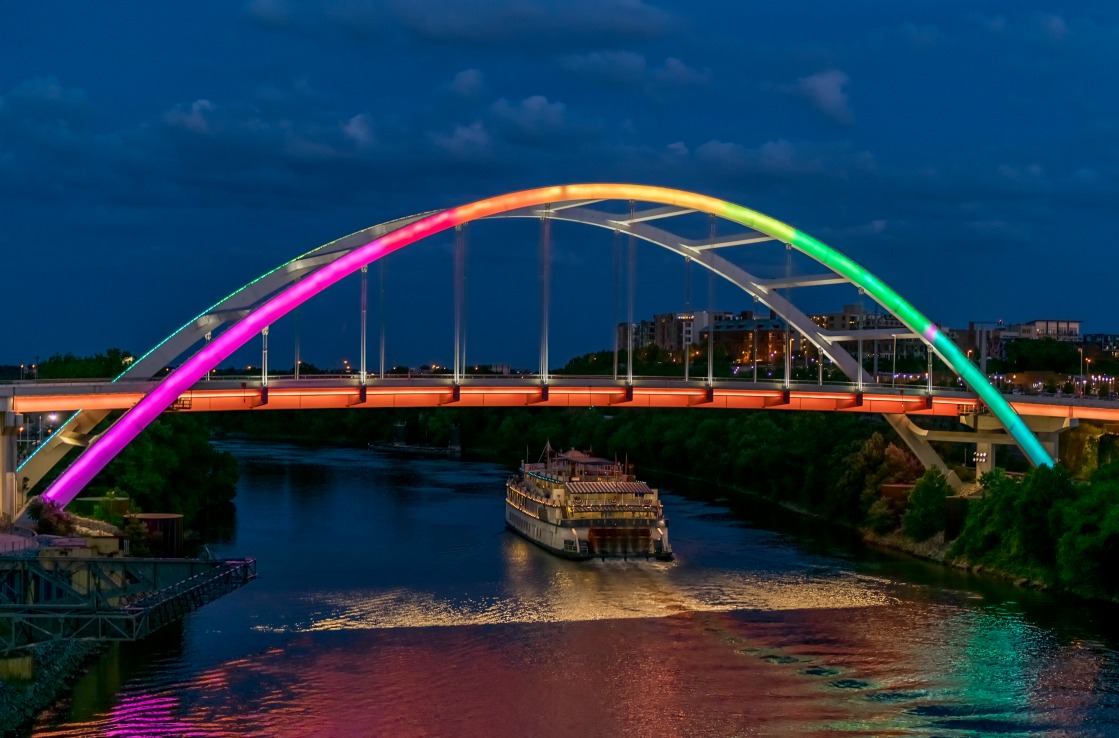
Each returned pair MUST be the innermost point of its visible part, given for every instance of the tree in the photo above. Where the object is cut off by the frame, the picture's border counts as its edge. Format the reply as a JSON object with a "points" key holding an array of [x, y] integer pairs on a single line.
{"points": [[1042, 354], [876, 462], [928, 507], [99, 366], [136, 533], [50, 519]]}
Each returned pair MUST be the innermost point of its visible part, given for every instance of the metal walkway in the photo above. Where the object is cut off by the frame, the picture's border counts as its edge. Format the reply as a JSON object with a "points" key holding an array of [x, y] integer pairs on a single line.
{"points": [[123, 599]]}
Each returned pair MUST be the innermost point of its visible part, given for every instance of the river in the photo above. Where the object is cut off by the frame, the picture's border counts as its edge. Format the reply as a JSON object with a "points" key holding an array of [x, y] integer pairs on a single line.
{"points": [[392, 602]]}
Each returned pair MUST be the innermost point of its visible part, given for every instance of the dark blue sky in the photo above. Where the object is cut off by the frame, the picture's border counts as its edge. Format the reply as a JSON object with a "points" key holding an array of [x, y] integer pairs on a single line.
{"points": [[154, 157]]}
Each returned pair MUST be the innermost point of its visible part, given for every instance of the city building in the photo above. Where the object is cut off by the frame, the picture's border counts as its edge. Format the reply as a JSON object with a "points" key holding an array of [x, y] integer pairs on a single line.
{"points": [[675, 331], [644, 334], [1062, 330], [856, 317], [1102, 345], [747, 338]]}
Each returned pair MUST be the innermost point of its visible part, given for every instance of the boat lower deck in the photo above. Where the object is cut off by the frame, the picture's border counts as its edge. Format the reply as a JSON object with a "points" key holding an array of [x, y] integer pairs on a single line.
{"points": [[580, 543]]}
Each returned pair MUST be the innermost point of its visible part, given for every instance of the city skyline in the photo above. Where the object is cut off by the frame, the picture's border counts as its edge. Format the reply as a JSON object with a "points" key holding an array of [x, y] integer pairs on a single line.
{"points": [[144, 185]]}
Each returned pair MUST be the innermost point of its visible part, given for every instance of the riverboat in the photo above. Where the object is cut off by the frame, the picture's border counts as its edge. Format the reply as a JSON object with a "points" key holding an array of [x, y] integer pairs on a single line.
{"points": [[579, 506]]}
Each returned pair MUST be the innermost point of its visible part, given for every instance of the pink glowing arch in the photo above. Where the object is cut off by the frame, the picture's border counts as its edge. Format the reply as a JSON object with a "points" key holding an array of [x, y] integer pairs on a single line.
{"points": [[70, 482]]}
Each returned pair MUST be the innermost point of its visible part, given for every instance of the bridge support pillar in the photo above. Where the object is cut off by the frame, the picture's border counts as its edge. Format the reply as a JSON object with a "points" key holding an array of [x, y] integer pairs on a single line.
{"points": [[984, 459], [11, 493], [1047, 430]]}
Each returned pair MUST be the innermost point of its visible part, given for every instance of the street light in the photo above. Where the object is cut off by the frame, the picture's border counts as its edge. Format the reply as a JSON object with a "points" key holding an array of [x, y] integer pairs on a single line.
{"points": [[979, 457], [1081, 350]]}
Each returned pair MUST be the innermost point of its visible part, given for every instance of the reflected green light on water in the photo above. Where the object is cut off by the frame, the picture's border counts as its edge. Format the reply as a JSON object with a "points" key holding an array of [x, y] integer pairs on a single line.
{"points": [[424, 617]]}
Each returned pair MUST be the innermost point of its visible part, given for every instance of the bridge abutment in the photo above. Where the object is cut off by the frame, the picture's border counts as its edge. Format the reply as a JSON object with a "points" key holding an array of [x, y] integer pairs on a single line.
{"points": [[11, 493]]}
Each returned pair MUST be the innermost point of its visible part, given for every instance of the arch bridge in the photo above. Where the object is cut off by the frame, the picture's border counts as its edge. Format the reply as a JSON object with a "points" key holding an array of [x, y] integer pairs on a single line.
{"points": [[648, 215]]}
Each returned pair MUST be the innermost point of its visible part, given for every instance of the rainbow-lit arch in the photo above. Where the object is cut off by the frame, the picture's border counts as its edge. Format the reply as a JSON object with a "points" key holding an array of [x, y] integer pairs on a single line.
{"points": [[71, 481]]}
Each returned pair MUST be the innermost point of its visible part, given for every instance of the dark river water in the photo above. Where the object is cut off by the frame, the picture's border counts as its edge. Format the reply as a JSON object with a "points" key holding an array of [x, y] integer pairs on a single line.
{"points": [[392, 602]]}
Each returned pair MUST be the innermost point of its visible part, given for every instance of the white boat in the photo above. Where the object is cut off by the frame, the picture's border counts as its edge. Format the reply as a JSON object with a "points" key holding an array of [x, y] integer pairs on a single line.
{"points": [[580, 507]]}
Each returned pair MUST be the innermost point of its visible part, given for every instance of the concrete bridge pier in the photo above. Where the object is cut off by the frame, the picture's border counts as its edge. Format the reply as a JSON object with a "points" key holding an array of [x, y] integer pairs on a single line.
{"points": [[11, 494], [989, 433], [1048, 430]]}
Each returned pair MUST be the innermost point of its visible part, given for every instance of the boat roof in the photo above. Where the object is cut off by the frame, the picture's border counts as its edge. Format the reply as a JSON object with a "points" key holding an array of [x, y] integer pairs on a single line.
{"points": [[582, 458], [607, 488]]}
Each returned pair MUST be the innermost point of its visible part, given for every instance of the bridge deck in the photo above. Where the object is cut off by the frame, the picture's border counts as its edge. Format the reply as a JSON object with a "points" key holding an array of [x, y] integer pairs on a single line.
{"points": [[563, 391], [311, 394]]}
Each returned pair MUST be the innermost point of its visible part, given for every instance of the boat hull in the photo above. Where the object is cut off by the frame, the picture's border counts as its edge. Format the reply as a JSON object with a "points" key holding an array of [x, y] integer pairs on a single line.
{"points": [[589, 543]]}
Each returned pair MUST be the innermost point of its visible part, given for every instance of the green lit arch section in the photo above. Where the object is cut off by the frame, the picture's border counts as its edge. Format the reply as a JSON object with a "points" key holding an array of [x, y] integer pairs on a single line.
{"points": [[95, 457]]}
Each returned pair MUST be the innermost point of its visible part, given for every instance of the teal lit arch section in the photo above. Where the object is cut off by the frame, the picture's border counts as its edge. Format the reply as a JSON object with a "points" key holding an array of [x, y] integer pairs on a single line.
{"points": [[95, 457]]}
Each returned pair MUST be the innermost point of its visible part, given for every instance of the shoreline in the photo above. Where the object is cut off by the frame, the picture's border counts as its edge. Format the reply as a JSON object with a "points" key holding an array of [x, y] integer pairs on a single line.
{"points": [[57, 665], [934, 550]]}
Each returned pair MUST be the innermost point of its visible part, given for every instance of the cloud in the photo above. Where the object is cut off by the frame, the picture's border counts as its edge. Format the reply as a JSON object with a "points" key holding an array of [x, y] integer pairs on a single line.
{"points": [[678, 74], [359, 130], [1053, 26], [45, 100], [632, 69], [531, 23], [619, 67], [922, 36], [468, 143], [277, 13], [825, 91], [532, 120], [468, 83], [782, 159], [192, 119]]}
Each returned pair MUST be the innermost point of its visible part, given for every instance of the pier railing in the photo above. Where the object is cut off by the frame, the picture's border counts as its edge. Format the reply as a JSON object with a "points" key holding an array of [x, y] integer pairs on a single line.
{"points": [[52, 598]]}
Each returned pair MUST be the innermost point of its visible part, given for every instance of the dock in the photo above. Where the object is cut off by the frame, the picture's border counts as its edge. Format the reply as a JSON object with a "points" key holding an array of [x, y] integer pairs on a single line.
{"points": [[106, 598]]}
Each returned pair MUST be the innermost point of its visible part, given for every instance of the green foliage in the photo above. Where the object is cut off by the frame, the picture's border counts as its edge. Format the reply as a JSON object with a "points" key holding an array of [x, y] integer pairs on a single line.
{"points": [[1019, 526], [881, 517], [139, 540], [864, 471], [928, 507], [1080, 449], [100, 366], [1042, 354], [171, 467]]}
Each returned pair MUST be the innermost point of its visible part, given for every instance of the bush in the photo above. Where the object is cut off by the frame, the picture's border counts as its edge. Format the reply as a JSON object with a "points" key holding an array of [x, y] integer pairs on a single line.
{"points": [[881, 517], [928, 511], [136, 533], [50, 519]]}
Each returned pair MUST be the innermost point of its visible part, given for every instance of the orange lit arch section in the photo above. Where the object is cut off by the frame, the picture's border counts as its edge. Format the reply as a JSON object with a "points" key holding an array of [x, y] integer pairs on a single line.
{"points": [[71, 482]]}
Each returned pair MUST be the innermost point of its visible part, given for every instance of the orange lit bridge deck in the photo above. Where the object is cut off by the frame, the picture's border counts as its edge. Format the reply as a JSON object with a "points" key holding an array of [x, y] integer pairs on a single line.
{"points": [[314, 393]]}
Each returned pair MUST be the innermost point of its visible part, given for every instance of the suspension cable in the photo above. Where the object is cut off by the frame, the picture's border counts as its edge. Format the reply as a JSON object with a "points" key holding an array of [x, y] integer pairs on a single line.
{"points": [[545, 288], [617, 297], [632, 282], [686, 345], [381, 311]]}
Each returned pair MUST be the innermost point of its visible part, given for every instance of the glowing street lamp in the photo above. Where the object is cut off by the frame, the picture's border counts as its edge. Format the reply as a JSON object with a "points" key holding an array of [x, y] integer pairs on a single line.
{"points": [[1081, 350]]}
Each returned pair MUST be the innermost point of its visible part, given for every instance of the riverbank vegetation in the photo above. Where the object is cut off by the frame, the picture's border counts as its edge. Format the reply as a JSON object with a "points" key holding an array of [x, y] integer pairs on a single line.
{"points": [[1053, 526], [170, 467], [1040, 525]]}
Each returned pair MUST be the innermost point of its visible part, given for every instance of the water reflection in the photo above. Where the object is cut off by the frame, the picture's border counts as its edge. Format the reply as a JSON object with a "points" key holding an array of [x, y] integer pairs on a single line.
{"points": [[393, 603]]}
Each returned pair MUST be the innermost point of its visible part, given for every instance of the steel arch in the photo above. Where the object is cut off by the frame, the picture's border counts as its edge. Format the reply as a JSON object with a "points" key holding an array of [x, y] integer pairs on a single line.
{"points": [[74, 478], [229, 309]]}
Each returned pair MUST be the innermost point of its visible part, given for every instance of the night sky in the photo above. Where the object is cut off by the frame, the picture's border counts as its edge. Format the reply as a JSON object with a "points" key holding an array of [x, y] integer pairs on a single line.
{"points": [[154, 157]]}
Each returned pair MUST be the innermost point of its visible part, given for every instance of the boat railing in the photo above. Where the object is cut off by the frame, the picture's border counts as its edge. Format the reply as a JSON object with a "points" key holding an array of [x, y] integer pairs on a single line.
{"points": [[640, 523]]}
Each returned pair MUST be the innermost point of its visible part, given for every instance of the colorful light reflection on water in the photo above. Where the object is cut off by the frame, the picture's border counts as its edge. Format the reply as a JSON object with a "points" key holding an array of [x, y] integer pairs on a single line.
{"points": [[430, 620]]}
